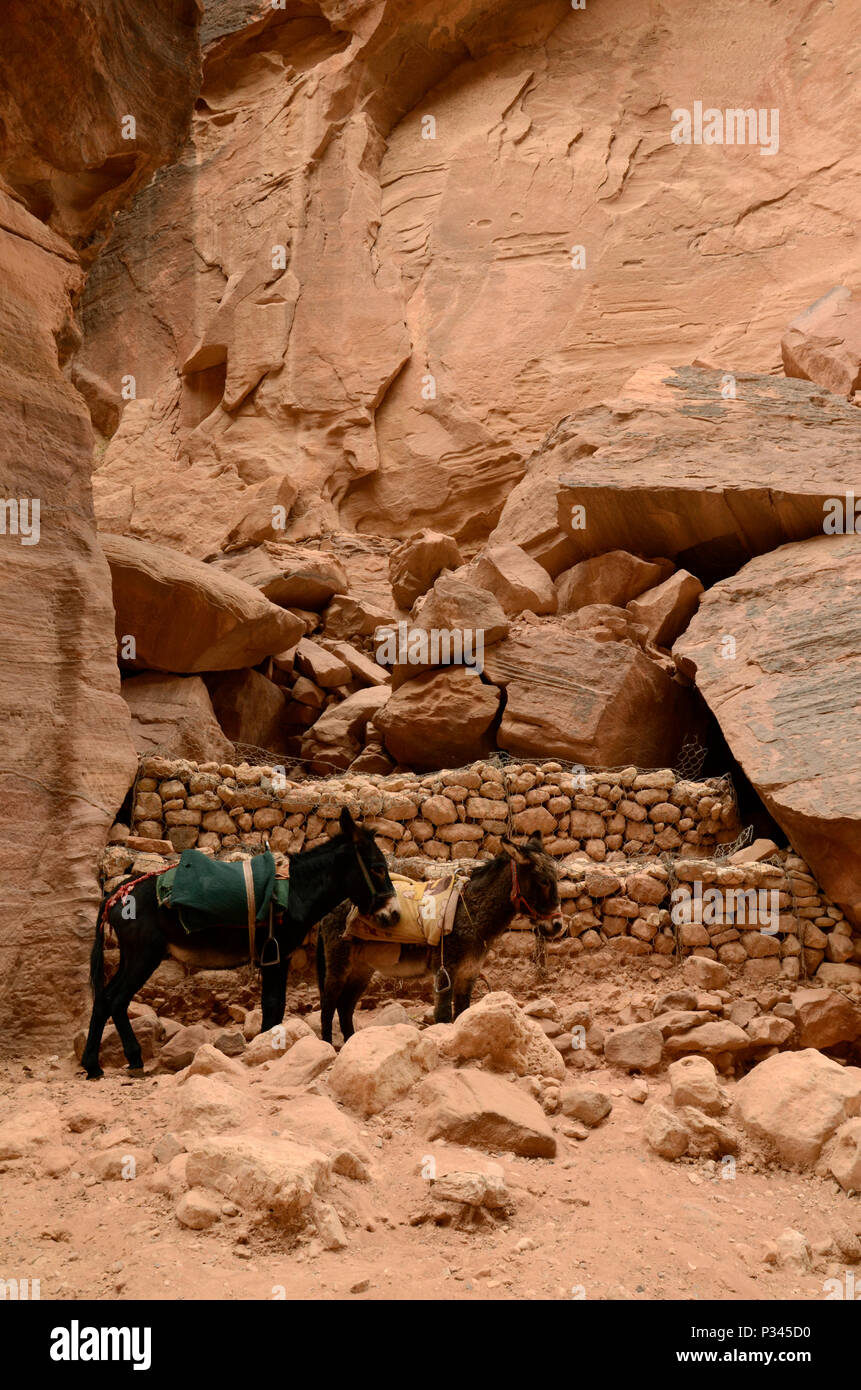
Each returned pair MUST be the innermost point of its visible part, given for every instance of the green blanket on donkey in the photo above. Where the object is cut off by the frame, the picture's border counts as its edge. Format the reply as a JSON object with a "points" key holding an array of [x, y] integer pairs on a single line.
{"points": [[209, 892]]}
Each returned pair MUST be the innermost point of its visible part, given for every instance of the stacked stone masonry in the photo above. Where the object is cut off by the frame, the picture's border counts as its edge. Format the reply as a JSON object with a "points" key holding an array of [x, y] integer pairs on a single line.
{"points": [[634, 850]]}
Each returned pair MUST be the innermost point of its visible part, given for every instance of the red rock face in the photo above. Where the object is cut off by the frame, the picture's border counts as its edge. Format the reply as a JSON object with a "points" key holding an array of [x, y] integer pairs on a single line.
{"points": [[777, 655], [67, 757], [677, 465], [427, 171]]}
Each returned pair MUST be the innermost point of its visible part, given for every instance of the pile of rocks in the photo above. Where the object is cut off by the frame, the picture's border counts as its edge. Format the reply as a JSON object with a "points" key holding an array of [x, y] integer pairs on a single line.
{"points": [[704, 1018], [800, 1108]]}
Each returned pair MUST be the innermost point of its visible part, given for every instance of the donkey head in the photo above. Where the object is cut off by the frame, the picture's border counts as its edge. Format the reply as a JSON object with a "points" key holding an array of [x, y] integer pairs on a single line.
{"points": [[534, 888], [367, 881]]}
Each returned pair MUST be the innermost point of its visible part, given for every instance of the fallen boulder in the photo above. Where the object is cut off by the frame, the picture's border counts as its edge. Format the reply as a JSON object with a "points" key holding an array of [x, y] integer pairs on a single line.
{"points": [[694, 1082], [416, 562], [825, 1017], [635, 1047], [823, 344], [250, 708], [269, 1179], [602, 704], [792, 689], [440, 719], [796, 1101], [516, 580], [844, 1160], [498, 1033], [614, 578], [666, 610], [477, 1108], [174, 716], [186, 616], [377, 1066], [289, 575], [336, 738]]}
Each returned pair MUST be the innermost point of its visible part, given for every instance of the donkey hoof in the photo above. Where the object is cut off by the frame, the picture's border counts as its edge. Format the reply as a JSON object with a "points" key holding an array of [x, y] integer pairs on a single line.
{"points": [[95, 1075], [137, 1072]]}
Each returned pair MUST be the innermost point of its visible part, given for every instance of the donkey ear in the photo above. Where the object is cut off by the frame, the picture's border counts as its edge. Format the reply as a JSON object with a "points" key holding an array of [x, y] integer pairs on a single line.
{"points": [[535, 842], [513, 851], [348, 825]]}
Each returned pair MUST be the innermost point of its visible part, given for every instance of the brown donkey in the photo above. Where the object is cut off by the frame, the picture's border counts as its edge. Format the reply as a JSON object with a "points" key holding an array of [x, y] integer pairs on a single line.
{"points": [[522, 879]]}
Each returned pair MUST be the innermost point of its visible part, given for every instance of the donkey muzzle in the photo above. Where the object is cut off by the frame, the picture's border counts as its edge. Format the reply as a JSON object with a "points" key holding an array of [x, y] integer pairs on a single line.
{"points": [[555, 925], [389, 914]]}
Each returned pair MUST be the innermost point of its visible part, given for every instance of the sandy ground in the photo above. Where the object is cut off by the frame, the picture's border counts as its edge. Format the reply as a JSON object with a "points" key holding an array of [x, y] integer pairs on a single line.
{"points": [[605, 1219]]}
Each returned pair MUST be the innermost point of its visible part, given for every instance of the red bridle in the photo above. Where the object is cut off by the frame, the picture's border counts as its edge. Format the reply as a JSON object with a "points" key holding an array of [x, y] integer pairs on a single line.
{"points": [[518, 900]]}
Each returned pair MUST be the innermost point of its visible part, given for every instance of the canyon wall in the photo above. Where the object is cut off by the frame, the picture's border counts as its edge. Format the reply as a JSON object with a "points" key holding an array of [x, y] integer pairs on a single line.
{"points": [[356, 260], [65, 83], [427, 171]]}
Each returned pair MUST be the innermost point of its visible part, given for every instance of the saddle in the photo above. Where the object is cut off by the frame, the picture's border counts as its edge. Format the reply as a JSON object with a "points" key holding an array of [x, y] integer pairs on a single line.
{"points": [[427, 912], [208, 893]]}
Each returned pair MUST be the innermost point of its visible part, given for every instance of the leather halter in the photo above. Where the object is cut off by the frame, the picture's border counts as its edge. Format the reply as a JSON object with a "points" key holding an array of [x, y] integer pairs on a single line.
{"points": [[519, 902]]}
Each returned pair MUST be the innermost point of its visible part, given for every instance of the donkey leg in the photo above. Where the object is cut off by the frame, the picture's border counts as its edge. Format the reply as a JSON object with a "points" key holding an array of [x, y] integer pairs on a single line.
{"points": [[442, 1012], [354, 988], [464, 981], [461, 999], [90, 1054], [328, 1000], [273, 993], [122, 990]]}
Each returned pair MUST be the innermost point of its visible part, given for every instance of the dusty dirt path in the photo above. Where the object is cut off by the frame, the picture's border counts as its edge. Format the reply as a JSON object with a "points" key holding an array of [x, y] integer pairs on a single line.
{"points": [[606, 1219]]}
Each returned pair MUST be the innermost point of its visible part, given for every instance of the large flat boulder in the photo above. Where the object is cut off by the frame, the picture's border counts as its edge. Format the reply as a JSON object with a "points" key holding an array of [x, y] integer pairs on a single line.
{"points": [[289, 575], [186, 616], [796, 1101], [602, 704], [789, 694], [675, 467]]}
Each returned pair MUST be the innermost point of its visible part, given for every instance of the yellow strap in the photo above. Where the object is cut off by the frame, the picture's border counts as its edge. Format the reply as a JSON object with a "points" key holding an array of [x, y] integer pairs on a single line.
{"points": [[252, 905]]}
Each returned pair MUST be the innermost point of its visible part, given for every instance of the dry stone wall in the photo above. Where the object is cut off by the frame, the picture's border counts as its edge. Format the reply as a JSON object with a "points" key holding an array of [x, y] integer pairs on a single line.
{"points": [[461, 813], [635, 850]]}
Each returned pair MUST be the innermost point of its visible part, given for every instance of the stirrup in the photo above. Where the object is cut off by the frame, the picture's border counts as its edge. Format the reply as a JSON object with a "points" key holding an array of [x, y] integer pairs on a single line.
{"points": [[270, 941], [442, 974]]}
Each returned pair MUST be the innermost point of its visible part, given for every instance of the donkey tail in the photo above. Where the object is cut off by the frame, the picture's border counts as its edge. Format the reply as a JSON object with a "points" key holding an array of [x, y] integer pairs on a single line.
{"points": [[97, 955]]}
